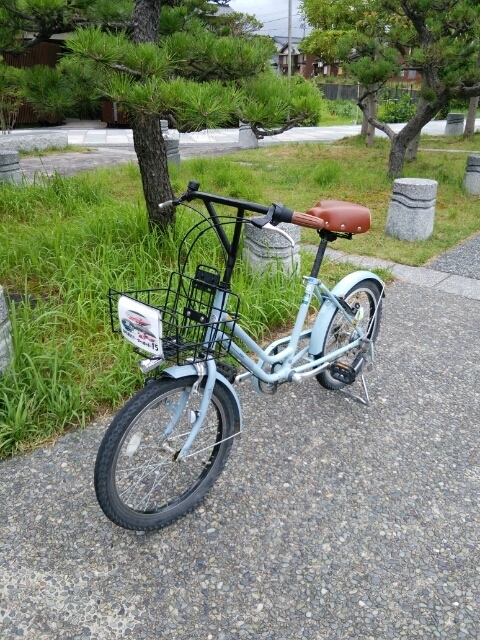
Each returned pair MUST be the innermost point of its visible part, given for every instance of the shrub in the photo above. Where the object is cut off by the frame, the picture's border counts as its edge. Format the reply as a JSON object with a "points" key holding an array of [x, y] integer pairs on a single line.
{"points": [[401, 110], [341, 108]]}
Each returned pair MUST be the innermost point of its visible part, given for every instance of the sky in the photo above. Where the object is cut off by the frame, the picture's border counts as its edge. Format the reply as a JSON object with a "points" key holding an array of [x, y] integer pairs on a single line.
{"points": [[273, 14]]}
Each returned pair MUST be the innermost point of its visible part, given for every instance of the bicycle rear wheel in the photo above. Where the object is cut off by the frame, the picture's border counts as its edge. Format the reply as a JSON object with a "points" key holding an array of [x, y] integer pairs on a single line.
{"points": [[139, 482], [368, 295]]}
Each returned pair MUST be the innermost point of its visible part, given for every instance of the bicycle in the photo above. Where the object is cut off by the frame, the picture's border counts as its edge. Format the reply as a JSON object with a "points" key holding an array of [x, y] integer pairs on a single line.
{"points": [[167, 446]]}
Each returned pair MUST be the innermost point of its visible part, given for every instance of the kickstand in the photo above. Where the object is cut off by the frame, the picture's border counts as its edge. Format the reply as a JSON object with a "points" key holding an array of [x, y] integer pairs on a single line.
{"points": [[365, 400]]}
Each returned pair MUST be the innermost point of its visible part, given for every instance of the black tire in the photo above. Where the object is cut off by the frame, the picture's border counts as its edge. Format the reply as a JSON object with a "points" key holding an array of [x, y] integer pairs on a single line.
{"points": [[139, 483], [368, 294]]}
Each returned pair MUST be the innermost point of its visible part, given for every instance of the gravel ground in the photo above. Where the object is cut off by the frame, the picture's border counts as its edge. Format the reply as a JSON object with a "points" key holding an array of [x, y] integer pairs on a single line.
{"points": [[463, 260], [331, 520]]}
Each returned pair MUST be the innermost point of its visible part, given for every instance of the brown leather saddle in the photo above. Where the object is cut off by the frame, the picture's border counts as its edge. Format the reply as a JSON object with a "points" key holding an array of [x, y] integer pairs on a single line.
{"points": [[342, 217]]}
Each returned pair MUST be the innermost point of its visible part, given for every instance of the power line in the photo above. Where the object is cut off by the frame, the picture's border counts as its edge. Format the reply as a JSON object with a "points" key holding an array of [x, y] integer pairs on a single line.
{"points": [[279, 29], [277, 19]]}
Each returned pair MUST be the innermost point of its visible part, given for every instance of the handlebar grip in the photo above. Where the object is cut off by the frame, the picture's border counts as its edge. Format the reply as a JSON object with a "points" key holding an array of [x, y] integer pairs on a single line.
{"points": [[305, 220]]}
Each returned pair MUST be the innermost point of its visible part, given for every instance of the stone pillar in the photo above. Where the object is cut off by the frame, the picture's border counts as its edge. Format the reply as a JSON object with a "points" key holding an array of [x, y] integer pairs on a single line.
{"points": [[264, 248], [412, 209], [455, 124], [246, 138], [172, 142], [471, 179], [10, 167], [5, 335]]}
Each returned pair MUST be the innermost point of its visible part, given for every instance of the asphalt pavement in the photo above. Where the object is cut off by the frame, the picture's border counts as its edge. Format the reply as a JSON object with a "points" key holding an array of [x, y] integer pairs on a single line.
{"points": [[331, 520]]}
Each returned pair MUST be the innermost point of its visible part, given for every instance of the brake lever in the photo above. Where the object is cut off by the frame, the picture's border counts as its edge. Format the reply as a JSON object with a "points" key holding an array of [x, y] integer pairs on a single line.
{"points": [[267, 219], [261, 222]]}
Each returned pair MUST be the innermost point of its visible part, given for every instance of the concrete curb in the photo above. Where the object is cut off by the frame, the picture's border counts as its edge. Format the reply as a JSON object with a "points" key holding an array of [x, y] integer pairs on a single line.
{"points": [[419, 276], [34, 141]]}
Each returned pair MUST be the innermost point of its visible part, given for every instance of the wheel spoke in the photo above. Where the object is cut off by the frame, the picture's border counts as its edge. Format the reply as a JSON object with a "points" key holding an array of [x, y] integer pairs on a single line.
{"points": [[156, 482], [139, 482], [367, 295]]}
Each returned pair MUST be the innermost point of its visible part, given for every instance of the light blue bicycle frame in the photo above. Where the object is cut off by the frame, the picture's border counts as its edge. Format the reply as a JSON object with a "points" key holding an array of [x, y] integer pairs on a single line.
{"points": [[287, 357]]}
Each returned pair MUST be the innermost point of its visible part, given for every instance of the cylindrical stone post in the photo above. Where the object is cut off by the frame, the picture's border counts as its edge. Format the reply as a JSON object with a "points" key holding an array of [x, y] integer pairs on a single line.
{"points": [[264, 248], [171, 138], [246, 138], [412, 209], [10, 167], [455, 124], [471, 179], [5, 335]]}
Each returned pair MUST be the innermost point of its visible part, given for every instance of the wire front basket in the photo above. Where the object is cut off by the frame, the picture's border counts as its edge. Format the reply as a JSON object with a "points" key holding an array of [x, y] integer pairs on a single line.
{"points": [[193, 318]]}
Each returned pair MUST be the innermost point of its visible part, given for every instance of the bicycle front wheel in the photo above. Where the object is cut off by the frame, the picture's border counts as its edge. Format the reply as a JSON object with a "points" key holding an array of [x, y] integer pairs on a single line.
{"points": [[368, 295], [139, 482]]}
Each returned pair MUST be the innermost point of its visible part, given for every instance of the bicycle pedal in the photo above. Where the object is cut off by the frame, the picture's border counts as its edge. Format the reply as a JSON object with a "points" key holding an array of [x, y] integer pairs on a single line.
{"points": [[343, 373], [227, 370]]}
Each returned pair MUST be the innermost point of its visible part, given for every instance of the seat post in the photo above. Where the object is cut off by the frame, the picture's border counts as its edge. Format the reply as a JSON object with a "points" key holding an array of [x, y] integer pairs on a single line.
{"points": [[325, 238]]}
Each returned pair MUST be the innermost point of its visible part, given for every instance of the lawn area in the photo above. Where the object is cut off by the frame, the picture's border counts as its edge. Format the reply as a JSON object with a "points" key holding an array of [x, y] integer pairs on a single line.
{"points": [[66, 241], [301, 174]]}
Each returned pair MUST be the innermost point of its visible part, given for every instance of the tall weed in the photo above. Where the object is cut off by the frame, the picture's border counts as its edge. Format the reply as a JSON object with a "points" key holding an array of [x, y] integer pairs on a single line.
{"points": [[66, 241]]}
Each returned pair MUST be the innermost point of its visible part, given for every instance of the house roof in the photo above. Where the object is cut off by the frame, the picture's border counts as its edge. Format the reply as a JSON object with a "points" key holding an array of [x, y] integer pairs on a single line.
{"points": [[221, 9], [281, 44]]}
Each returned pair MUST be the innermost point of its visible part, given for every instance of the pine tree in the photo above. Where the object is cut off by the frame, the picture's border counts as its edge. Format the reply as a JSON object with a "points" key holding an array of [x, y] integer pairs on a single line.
{"points": [[438, 38], [166, 61]]}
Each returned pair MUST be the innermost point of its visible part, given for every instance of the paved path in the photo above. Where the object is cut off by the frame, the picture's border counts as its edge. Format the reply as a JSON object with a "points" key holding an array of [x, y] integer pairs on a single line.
{"points": [[463, 260], [331, 520], [97, 134]]}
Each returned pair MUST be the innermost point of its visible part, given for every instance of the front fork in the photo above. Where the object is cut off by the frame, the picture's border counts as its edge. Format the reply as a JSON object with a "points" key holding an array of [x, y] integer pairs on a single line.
{"points": [[207, 368]]}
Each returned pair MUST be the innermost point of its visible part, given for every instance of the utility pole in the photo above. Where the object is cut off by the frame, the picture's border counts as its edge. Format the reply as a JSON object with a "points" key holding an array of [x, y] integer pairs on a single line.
{"points": [[289, 57]]}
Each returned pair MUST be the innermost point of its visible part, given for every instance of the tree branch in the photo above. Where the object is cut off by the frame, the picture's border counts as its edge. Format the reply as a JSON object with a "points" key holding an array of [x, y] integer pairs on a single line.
{"points": [[381, 126], [16, 12], [121, 67], [471, 91], [262, 133], [83, 22]]}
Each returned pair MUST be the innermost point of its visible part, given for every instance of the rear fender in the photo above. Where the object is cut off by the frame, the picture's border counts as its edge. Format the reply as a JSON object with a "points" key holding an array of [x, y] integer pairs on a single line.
{"points": [[327, 310], [186, 370]]}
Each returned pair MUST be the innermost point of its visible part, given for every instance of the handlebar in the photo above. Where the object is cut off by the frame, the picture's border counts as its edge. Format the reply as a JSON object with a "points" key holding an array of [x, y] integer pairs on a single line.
{"points": [[274, 215]]}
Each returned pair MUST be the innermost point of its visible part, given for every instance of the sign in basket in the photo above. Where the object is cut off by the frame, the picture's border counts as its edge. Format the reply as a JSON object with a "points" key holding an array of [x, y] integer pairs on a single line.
{"points": [[141, 325]]}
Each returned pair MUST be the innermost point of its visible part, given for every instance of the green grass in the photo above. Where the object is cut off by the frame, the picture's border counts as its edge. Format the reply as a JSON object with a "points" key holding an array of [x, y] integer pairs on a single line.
{"points": [[302, 174], [52, 151], [65, 242]]}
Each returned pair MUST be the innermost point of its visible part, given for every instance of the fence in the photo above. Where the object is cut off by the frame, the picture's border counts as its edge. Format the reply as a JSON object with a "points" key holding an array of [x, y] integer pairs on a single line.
{"points": [[333, 91], [44, 53]]}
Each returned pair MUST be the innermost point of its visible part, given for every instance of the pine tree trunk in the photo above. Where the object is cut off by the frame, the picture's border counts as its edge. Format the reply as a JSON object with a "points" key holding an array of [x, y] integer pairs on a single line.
{"points": [[396, 157], [412, 149], [372, 113], [400, 142], [364, 129], [152, 161], [472, 114], [145, 17], [147, 135]]}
